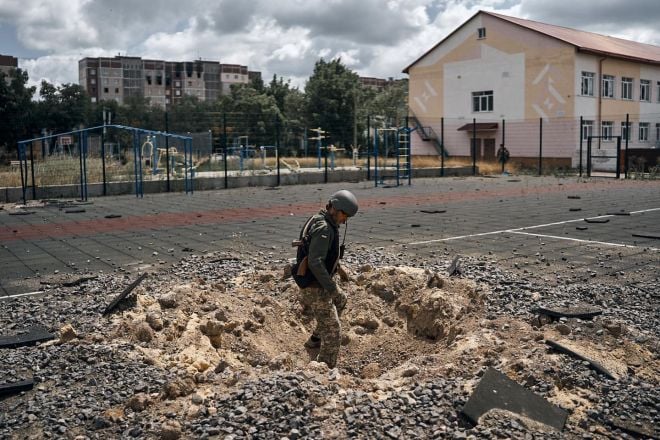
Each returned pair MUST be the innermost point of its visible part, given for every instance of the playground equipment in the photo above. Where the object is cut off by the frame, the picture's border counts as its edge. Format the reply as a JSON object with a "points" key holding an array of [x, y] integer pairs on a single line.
{"points": [[401, 143], [138, 154]]}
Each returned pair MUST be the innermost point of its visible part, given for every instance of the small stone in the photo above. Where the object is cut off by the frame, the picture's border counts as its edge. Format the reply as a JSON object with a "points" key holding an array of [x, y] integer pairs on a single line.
{"points": [[170, 430], [67, 333]]}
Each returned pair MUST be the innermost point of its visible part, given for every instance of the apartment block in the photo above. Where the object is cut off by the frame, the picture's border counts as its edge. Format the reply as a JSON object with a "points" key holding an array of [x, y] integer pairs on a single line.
{"points": [[162, 82], [7, 63]]}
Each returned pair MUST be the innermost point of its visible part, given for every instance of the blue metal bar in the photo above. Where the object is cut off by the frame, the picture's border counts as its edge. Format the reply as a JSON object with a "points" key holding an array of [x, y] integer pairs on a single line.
{"points": [[135, 160], [21, 155], [100, 127], [376, 156], [80, 159], [83, 150]]}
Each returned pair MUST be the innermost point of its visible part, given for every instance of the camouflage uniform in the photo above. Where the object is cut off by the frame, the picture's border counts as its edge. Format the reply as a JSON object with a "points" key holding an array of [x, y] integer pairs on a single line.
{"points": [[324, 297]]}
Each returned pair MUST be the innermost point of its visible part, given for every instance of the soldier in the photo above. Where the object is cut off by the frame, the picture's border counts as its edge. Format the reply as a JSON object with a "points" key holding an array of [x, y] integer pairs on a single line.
{"points": [[321, 250]]}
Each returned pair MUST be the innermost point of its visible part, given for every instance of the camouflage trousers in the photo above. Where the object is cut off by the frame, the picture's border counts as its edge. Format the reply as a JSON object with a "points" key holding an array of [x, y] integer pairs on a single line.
{"points": [[327, 310]]}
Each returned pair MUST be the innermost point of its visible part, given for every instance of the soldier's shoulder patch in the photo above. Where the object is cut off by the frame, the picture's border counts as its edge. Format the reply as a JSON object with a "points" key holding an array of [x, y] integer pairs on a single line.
{"points": [[324, 236]]}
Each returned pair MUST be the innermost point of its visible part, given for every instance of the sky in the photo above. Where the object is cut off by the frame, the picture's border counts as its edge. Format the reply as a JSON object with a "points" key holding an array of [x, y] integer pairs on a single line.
{"points": [[377, 38]]}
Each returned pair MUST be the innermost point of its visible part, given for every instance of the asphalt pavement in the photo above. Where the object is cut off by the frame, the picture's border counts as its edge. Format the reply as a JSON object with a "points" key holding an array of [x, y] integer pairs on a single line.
{"points": [[528, 223]]}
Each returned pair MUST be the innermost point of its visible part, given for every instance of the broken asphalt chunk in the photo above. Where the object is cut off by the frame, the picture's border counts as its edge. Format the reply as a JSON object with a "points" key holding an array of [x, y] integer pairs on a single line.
{"points": [[569, 312], [454, 267], [433, 211], [655, 235], [596, 220], [595, 365], [581, 228], [575, 209], [618, 213], [113, 216], [31, 337], [74, 210], [8, 389], [495, 390], [124, 294]]}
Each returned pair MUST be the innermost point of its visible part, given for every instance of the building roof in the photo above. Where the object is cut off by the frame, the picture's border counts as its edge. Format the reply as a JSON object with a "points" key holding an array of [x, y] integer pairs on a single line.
{"points": [[583, 41]]}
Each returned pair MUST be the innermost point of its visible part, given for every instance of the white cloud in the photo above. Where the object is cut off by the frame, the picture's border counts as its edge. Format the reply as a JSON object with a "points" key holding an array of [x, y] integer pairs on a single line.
{"points": [[284, 37]]}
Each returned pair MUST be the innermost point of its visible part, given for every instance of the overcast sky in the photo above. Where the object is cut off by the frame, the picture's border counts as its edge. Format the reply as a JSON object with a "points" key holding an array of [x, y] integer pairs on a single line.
{"points": [[284, 37]]}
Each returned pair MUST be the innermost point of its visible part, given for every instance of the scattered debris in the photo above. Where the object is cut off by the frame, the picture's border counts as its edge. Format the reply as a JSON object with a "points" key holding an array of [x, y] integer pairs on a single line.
{"points": [[454, 267], [124, 294], [21, 213], [433, 211], [415, 225], [581, 228], [569, 312], [113, 216], [636, 429], [31, 337], [655, 235], [495, 390], [8, 389], [622, 212], [575, 209], [74, 210], [574, 197], [595, 365], [597, 220], [78, 281]]}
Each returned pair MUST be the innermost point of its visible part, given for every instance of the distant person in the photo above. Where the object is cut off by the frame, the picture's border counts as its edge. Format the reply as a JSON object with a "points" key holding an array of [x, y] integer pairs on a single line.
{"points": [[502, 156], [317, 262]]}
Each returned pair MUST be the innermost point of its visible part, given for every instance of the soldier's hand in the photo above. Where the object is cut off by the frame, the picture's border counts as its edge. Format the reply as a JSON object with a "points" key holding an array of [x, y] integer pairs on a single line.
{"points": [[340, 299]]}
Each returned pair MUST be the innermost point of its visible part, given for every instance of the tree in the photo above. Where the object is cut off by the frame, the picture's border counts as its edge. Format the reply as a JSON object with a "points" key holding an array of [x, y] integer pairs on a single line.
{"points": [[16, 108], [62, 108], [331, 97]]}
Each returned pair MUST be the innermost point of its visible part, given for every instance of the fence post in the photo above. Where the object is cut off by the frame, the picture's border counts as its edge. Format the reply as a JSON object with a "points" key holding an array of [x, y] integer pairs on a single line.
{"points": [[618, 156], [80, 159], [540, 146], [105, 190], [442, 145], [581, 138], [167, 149], [325, 161], [224, 147], [368, 147], [277, 147], [503, 141], [34, 189], [21, 153], [626, 164], [474, 146]]}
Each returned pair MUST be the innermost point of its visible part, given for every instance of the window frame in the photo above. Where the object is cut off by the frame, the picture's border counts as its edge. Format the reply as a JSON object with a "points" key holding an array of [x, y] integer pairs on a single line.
{"points": [[643, 131], [627, 84], [607, 130], [481, 33], [645, 90], [483, 101], [607, 86], [587, 83], [587, 129], [627, 130]]}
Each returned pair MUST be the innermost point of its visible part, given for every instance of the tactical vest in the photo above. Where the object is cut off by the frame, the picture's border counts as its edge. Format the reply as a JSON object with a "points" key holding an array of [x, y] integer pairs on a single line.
{"points": [[302, 275]]}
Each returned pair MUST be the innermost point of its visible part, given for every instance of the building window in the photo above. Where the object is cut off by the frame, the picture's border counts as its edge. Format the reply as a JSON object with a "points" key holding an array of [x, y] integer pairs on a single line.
{"points": [[148, 77], [587, 84], [658, 91], [587, 129], [177, 83], [93, 99], [626, 88], [645, 90], [116, 91], [235, 76], [657, 134], [177, 93], [481, 33], [93, 80], [189, 83], [625, 130], [606, 130], [608, 86], [92, 71], [482, 101], [105, 90], [643, 131]]}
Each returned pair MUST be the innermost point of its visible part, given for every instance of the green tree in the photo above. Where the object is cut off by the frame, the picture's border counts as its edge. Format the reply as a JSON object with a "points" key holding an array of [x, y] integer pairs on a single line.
{"points": [[16, 109], [62, 108], [254, 115], [331, 100]]}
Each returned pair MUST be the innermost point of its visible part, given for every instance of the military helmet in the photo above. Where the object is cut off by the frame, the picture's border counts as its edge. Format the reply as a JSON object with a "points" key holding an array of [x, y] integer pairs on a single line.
{"points": [[344, 201]]}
